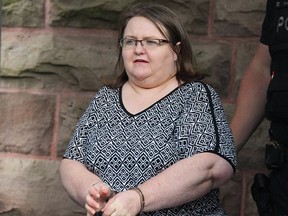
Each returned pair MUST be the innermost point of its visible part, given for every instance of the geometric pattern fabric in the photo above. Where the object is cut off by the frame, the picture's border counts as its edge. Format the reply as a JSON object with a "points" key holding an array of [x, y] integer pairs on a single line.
{"points": [[125, 150]]}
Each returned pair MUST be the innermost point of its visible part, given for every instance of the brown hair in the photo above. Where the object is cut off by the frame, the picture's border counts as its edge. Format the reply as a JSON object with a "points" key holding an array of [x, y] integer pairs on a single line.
{"points": [[169, 25]]}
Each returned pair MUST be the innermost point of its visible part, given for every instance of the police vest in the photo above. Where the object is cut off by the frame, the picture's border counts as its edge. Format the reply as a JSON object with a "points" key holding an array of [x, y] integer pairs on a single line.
{"points": [[277, 95]]}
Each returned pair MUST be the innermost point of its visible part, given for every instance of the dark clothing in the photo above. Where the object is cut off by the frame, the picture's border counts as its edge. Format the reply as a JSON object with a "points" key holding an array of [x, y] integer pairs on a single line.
{"points": [[274, 28], [279, 191], [275, 35]]}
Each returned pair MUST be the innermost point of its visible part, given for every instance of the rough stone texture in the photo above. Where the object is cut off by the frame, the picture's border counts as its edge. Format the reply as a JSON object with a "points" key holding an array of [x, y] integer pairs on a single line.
{"points": [[238, 18], [55, 55], [105, 13], [96, 14], [58, 61], [32, 187], [23, 13], [26, 123], [214, 59]]}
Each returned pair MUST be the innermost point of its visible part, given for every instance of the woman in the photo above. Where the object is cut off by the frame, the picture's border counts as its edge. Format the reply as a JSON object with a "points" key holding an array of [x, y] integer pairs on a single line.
{"points": [[158, 142]]}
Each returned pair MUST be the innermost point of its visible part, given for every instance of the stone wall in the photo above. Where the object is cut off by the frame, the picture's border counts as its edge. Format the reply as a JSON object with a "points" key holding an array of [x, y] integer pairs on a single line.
{"points": [[54, 57]]}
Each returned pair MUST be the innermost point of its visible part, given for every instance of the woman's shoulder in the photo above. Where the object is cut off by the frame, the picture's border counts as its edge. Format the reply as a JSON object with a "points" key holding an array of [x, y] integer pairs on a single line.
{"points": [[199, 86], [106, 90], [199, 89], [105, 94]]}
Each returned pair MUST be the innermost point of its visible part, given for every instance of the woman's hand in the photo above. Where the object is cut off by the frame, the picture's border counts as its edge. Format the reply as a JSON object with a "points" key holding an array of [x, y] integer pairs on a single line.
{"points": [[126, 203], [97, 197]]}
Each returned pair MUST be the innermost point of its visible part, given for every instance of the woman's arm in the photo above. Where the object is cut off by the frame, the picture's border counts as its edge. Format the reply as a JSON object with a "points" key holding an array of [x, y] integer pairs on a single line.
{"points": [[186, 180], [78, 181]]}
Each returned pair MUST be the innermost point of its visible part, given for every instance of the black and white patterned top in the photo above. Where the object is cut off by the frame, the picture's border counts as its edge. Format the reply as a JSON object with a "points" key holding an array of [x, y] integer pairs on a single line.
{"points": [[125, 150]]}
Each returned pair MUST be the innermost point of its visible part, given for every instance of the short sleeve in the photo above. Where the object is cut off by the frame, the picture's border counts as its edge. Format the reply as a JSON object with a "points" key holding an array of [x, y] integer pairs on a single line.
{"points": [[80, 141], [203, 126], [226, 146]]}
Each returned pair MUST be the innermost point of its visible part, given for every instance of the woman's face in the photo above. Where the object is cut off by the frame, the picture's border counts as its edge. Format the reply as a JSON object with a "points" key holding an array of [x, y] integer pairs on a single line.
{"points": [[147, 66]]}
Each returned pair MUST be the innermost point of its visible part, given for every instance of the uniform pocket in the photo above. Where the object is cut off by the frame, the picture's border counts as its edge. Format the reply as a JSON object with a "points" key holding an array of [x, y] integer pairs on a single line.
{"points": [[277, 98]]}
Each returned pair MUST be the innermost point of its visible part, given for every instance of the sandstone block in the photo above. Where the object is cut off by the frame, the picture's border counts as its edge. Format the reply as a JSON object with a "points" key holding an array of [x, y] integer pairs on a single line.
{"points": [[24, 13], [105, 14], [238, 18], [26, 123], [69, 61], [214, 59], [33, 187]]}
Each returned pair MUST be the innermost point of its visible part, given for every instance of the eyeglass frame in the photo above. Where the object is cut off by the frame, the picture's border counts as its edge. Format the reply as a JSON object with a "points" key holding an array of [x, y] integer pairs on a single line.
{"points": [[160, 42]]}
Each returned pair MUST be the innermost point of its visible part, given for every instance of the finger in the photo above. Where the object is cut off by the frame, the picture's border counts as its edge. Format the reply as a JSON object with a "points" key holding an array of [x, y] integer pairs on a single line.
{"points": [[92, 202], [100, 190], [108, 211], [89, 214], [106, 191], [94, 192], [90, 210]]}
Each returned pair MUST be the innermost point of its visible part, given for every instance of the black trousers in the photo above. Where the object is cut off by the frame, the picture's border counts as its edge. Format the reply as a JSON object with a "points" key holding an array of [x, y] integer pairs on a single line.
{"points": [[278, 189]]}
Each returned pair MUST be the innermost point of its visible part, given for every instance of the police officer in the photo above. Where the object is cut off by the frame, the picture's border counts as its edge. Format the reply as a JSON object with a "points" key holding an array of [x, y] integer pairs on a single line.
{"points": [[264, 92]]}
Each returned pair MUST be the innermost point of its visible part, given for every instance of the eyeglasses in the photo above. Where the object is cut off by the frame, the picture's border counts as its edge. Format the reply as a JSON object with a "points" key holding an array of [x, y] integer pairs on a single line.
{"points": [[130, 43]]}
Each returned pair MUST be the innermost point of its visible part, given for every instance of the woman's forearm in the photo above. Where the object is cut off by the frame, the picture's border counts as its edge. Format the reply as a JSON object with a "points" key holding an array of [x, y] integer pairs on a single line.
{"points": [[182, 182], [76, 180], [185, 181]]}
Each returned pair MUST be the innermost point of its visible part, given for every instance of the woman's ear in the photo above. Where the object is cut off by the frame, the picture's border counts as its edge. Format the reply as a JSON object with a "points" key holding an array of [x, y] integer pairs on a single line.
{"points": [[176, 50], [177, 47]]}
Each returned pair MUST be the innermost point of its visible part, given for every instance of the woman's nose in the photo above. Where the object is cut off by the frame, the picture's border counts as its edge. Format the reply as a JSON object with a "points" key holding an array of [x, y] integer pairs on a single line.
{"points": [[139, 48]]}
